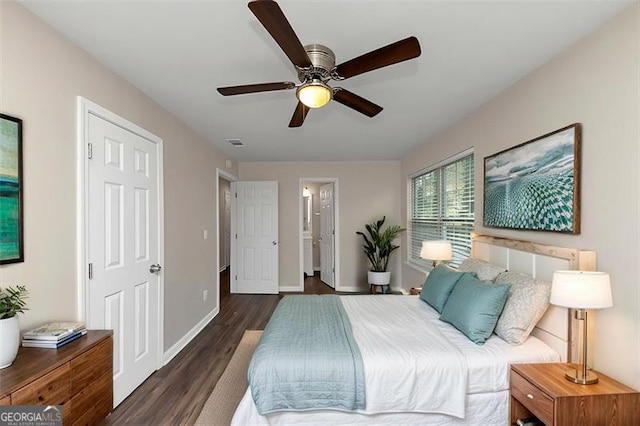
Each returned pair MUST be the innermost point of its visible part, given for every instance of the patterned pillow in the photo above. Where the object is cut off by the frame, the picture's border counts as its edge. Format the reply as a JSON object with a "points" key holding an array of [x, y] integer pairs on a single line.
{"points": [[485, 271], [527, 302]]}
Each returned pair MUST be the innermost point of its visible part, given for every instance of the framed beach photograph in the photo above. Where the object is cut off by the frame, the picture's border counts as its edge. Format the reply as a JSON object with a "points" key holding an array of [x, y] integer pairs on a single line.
{"points": [[11, 214], [535, 185]]}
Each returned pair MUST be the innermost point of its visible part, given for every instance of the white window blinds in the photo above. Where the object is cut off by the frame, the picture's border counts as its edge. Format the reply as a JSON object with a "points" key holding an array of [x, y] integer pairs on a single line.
{"points": [[441, 207]]}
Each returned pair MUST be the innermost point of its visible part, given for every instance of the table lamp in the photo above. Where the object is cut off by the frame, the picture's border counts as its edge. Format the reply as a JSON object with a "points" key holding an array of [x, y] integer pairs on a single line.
{"points": [[581, 290], [436, 250]]}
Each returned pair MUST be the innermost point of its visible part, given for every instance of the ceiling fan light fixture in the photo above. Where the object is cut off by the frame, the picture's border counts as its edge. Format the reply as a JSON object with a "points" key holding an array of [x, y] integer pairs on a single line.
{"points": [[314, 94]]}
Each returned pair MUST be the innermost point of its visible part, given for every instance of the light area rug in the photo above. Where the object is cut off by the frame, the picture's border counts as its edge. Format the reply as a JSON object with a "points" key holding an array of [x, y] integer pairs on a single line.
{"points": [[223, 401]]}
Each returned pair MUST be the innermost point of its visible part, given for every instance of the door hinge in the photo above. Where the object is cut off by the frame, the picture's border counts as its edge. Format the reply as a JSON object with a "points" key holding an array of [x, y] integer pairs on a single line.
{"points": [[236, 278], [90, 151], [235, 194], [333, 232], [91, 271], [236, 236]]}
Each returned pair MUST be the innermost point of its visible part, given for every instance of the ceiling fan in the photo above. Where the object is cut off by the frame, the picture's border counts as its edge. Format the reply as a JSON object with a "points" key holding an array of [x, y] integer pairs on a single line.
{"points": [[316, 65]]}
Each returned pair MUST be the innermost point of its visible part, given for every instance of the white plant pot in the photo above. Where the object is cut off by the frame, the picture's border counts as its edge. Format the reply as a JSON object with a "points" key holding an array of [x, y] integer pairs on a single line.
{"points": [[9, 340], [379, 278]]}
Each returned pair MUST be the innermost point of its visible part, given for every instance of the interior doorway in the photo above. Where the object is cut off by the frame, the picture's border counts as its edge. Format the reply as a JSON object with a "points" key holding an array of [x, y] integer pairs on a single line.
{"points": [[224, 193], [223, 222], [122, 240], [319, 251]]}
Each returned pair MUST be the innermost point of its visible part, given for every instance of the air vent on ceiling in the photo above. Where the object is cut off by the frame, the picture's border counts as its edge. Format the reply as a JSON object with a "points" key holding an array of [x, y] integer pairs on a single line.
{"points": [[235, 142]]}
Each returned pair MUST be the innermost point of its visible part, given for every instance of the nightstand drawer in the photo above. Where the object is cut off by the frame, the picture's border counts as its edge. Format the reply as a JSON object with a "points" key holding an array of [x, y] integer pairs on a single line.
{"points": [[536, 401]]}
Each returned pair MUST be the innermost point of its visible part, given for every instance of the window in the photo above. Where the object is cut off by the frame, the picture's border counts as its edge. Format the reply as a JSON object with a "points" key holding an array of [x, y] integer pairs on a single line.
{"points": [[441, 207]]}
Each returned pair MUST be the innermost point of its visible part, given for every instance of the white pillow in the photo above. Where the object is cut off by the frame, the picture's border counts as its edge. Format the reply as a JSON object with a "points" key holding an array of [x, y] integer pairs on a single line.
{"points": [[527, 302], [485, 271]]}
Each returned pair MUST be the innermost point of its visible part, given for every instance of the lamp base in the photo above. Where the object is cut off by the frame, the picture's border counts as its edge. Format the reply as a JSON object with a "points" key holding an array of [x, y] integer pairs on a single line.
{"points": [[576, 376]]}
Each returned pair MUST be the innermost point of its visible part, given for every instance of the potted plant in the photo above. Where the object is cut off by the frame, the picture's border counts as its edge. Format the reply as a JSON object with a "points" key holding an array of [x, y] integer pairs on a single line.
{"points": [[378, 246], [11, 304]]}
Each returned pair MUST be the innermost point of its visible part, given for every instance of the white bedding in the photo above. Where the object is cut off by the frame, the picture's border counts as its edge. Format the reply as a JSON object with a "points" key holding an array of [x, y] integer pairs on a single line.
{"points": [[391, 332], [485, 409], [408, 366]]}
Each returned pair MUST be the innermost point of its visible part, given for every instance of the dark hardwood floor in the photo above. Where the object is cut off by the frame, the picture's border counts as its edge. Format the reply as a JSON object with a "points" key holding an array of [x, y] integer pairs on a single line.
{"points": [[313, 285], [176, 393]]}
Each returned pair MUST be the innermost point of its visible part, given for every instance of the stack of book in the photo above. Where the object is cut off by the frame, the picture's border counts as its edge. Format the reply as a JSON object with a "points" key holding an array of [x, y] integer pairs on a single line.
{"points": [[53, 335]]}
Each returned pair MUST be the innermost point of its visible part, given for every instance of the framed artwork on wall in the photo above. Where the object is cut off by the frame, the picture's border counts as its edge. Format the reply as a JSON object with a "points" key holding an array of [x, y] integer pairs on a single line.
{"points": [[11, 213], [535, 185]]}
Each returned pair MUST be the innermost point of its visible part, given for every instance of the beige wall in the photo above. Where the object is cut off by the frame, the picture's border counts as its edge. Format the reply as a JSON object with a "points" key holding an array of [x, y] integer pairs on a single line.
{"points": [[366, 191], [595, 83], [42, 74]]}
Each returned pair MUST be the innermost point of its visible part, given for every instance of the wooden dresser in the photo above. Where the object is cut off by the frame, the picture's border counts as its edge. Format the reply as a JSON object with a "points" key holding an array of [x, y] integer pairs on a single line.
{"points": [[78, 376]]}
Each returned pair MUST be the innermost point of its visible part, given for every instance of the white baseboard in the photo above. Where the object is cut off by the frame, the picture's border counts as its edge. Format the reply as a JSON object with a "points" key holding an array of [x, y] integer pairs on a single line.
{"points": [[174, 350], [352, 289], [363, 290], [289, 289]]}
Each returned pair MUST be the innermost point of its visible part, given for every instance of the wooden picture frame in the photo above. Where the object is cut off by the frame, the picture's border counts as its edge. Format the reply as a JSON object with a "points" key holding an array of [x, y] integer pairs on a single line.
{"points": [[11, 188], [535, 185]]}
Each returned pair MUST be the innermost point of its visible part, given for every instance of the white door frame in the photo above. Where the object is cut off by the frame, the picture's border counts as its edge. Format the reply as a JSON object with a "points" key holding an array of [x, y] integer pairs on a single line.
{"points": [[231, 178], [84, 109], [336, 225]]}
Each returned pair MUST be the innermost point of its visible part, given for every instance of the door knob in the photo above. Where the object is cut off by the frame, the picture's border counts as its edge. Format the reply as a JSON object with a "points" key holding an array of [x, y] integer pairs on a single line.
{"points": [[155, 268]]}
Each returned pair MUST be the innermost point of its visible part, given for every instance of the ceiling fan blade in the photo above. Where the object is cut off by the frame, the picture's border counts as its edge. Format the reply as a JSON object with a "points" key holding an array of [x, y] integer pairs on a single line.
{"points": [[399, 51], [254, 88], [273, 20], [356, 102], [299, 115]]}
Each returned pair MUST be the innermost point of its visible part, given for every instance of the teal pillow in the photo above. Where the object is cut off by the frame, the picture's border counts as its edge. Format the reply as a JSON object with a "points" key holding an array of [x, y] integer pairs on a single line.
{"points": [[438, 286], [474, 307]]}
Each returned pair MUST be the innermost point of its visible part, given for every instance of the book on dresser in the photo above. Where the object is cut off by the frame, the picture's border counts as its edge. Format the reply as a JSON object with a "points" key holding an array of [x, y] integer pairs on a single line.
{"points": [[53, 335]]}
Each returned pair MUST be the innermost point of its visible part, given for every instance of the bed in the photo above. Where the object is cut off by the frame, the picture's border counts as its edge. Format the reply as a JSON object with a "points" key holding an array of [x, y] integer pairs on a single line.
{"points": [[400, 338]]}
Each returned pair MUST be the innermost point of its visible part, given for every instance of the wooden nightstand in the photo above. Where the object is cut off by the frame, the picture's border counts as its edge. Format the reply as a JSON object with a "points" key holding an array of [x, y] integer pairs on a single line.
{"points": [[415, 291], [541, 390]]}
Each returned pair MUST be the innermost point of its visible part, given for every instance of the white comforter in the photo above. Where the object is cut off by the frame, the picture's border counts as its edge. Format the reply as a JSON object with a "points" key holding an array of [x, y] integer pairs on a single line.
{"points": [[408, 364], [391, 332]]}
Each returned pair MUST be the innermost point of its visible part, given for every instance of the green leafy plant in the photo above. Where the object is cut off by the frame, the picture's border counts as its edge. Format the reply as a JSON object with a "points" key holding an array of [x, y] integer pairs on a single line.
{"points": [[378, 243], [12, 301]]}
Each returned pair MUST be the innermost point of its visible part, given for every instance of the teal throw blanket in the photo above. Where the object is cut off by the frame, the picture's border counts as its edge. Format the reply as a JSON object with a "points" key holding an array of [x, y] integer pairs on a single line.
{"points": [[307, 358]]}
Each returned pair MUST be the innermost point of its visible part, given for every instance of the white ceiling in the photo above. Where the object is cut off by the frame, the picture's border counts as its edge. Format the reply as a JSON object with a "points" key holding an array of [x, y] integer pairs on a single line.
{"points": [[178, 52]]}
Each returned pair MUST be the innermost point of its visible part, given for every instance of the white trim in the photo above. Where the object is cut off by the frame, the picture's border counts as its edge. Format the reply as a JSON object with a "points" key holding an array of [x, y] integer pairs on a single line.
{"points": [[336, 227], [451, 159], [351, 289], [174, 350], [231, 178], [289, 289], [83, 110]]}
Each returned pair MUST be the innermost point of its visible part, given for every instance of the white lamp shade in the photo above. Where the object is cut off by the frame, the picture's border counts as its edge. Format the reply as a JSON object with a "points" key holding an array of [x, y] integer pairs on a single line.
{"points": [[436, 250], [581, 290]]}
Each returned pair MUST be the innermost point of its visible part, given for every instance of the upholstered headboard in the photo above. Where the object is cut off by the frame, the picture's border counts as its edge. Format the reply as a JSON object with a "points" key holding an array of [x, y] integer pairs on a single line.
{"points": [[556, 328]]}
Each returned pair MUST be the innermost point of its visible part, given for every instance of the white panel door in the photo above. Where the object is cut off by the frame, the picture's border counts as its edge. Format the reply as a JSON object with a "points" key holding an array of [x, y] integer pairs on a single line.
{"points": [[123, 293], [327, 249], [256, 237]]}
